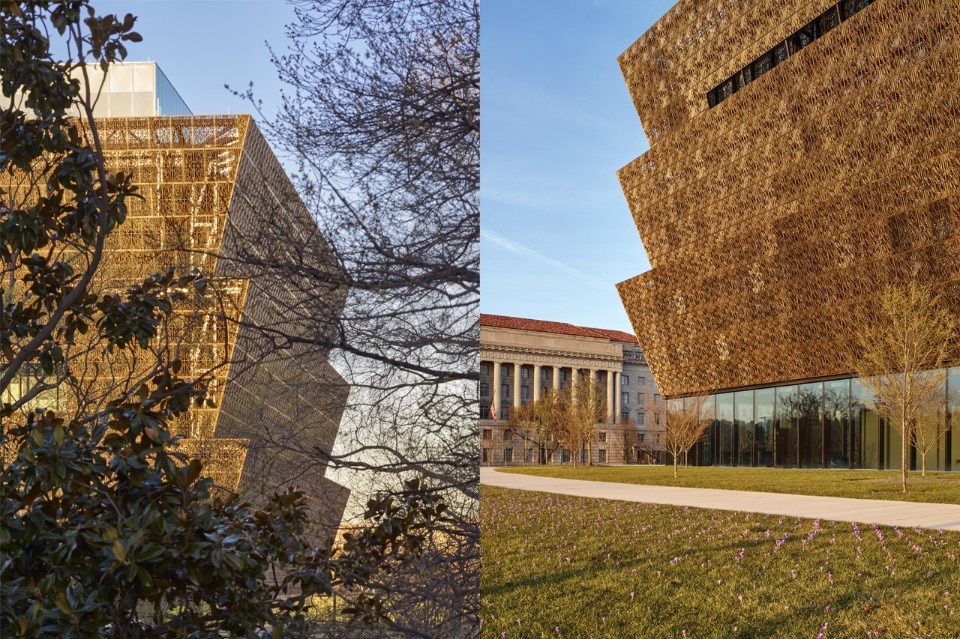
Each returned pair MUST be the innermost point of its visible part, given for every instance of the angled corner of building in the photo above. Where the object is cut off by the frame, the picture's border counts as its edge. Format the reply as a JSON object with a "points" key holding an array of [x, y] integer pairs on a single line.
{"points": [[215, 198], [802, 156]]}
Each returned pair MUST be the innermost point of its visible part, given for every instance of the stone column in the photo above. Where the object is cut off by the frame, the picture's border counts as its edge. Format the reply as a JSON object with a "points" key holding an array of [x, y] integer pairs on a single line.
{"points": [[516, 384], [616, 397], [537, 369], [495, 401], [591, 381], [556, 379], [610, 391]]}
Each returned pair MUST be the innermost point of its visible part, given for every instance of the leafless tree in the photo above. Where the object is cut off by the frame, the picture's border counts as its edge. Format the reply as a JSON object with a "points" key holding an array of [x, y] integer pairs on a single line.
{"points": [[380, 119], [903, 348], [685, 421], [584, 407], [931, 423]]}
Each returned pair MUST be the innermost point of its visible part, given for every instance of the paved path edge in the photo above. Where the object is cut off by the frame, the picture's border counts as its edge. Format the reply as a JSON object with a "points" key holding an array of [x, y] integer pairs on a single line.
{"points": [[868, 511]]}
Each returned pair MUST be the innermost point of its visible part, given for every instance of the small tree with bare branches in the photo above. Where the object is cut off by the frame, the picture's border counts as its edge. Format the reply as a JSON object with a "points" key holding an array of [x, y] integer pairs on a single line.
{"points": [[684, 424], [902, 347], [930, 427], [585, 408]]}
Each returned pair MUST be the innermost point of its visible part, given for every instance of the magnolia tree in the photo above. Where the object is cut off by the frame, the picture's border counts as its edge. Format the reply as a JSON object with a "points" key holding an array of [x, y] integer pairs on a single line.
{"points": [[105, 530]]}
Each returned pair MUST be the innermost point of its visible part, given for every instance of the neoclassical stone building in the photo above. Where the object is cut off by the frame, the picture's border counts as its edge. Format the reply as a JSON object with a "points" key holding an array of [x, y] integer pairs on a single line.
{"points": [[522, 359]]}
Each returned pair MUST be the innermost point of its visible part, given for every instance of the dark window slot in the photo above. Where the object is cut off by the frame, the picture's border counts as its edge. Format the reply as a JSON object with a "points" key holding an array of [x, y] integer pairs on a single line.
{"points": [[800, 39]]}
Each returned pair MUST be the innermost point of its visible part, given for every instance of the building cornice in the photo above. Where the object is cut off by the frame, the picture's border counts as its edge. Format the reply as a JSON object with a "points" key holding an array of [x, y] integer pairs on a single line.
{"points": [[547, 357]]}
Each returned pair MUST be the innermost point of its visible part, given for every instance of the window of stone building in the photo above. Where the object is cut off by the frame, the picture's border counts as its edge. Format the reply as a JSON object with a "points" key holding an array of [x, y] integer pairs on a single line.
{"points": [[640, 397], [529, 455], [507, 455], [485, 370], [485, 455], [624, 380], [624, 415], [643, 437], [524, 372], [484, 389], [641, 381], [524, 393], [639, 418], [625, 398], [602, 456], [602, 437], [487, 433]]}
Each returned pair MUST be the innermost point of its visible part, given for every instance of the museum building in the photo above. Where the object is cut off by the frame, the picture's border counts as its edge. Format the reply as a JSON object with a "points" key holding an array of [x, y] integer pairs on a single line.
{"points": [[803, 155], [214, 197]]}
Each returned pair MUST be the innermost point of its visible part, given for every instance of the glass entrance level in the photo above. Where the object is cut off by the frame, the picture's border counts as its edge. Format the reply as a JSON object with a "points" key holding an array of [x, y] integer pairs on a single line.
{"points": [[828, 424]]}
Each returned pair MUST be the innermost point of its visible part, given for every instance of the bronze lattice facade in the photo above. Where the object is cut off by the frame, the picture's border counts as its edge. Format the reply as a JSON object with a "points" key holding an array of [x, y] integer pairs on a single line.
{"points": [[215, 198], [828, 166]]}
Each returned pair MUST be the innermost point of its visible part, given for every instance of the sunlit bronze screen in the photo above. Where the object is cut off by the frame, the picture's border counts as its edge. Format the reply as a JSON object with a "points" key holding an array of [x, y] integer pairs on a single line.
{"points": [[772, 219], [215, 198]]}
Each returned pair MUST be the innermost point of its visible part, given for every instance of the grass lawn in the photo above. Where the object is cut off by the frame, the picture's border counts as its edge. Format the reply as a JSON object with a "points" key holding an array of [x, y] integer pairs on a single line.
{"points": [[558, 566], [942, 488]]}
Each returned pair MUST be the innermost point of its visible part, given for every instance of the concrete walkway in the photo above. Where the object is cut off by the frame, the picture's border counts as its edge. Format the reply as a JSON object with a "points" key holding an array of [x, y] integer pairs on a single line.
{"points": [[869, 511]]}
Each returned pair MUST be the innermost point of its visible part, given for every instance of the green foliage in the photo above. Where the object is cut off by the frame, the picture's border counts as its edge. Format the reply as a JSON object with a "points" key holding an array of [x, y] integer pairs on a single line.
{"points": [[106, 531], [559, 566]]}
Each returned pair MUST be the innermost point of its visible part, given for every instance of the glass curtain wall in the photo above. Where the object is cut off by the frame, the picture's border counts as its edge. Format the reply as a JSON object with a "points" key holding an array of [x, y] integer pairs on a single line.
{"points": [[952, 438], [745, 428], [724, 429], [785, 442], [703, 453], [866, 423], [810, 429], [831, 424], [765, 401], [838, 436]]}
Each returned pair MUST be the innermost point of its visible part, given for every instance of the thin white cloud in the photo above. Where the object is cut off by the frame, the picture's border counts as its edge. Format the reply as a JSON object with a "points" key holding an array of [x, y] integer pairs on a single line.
{"points": [[527, 252]]}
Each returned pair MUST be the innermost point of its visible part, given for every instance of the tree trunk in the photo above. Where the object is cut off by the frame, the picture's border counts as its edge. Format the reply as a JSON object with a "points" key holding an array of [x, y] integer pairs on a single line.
{"points": [[903, 456], [675, 464]]}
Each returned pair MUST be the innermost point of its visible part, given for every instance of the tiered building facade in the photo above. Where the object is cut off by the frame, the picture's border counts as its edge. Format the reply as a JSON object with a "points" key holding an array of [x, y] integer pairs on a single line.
{"points": [[803, 155], [215, 198]]}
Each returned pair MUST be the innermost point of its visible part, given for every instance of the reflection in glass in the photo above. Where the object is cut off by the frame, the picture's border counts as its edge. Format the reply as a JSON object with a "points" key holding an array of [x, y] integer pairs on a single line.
{"points": [[725, 428], [765, 399], [744, 428], [866, 424], [810, 436], [837, 438], [785, 442]]}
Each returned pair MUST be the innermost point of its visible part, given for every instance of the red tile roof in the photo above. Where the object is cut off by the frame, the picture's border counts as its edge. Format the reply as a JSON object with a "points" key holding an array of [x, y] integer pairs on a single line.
{"points": [[542, 326], [617, 336]]}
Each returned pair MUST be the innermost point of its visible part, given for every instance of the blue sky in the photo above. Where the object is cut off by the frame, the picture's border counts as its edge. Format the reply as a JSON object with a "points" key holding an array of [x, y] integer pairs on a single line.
{"points": [[557, 123], [203, 44]]}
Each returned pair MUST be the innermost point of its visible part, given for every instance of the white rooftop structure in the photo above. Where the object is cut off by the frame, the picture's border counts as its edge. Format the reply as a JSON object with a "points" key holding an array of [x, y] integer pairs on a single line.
{"points": [[135, 89]]}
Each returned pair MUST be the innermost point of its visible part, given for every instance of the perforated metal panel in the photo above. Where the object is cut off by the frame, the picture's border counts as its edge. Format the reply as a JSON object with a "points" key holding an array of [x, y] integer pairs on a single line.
{"points": [[215, 198], [773, 219]]}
